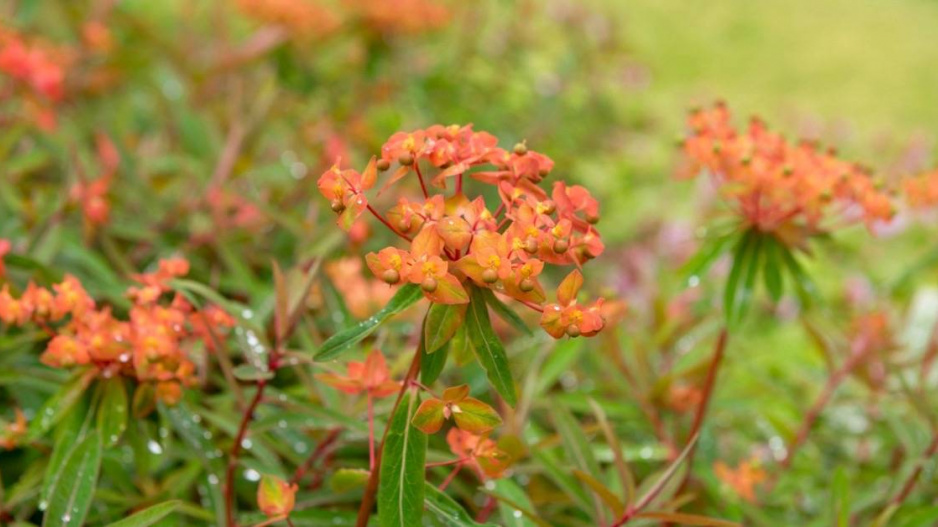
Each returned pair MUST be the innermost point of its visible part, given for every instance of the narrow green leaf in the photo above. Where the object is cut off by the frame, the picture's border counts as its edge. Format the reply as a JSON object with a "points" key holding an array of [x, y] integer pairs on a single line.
{"points": [[149, 516], [74, 490], [69, 432], [405, 297], [924, 517], [701, 262], [441, 324], [730, 294], [59, 404], [112, 411], [602, 491], [772, 271], [840, 492], [681, 518], [505, 313], [514, 506], [431, 365], [575, 442], [401, 484], [488, 348], [249, 372], [804, 286], [446, 512]]}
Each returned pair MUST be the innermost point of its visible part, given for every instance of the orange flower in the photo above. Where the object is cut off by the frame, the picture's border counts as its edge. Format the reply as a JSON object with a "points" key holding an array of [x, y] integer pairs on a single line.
{"points": [[743, 479], [480, 452], [775, 185], [4, 250], [569, 318], [12, 433], [371, 376], [345, 189], [922, 191], [275, 497]]}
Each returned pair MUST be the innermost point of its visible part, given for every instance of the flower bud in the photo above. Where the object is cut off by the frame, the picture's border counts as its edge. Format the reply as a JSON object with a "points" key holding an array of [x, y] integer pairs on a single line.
{"points": [[521, 149], [406, 159], [429, 284], [561, 246], [592, 219], [490, 276], [403, 225], [573, 330], [337, 206], [383, 164], [530, 246], [526, 285], [391, 276], [275, 497]]}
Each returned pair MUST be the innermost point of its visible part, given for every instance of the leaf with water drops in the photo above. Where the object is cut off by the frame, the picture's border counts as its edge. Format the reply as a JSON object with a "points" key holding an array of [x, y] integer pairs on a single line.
{"points": [[488, 347], [405, 297], [149, 516], [74, 489], [443, 511], [112, 411], [57, 406], [401, 483]]}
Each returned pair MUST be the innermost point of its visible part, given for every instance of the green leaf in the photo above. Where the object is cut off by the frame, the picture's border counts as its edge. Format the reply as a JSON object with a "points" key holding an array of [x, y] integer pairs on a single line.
{"points": [[924, 517], [488, 348], [429, 417], [681, 518], [737, 291], [772, 272], [68, 433], [446, 511], [701, 262], [505, 313], [840, 492], [74, 489], [804, 286], [574, 440], [475, 416], [431, 365], [401, 483], [405, 297], [348, 479], [112, 411], [602, 491], [441, 324], [514, 506], [149, 516], [59, 404]]}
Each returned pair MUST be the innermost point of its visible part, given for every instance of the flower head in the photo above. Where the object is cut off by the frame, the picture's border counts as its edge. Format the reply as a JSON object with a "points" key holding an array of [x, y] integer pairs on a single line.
{"points": [[371, 376]]}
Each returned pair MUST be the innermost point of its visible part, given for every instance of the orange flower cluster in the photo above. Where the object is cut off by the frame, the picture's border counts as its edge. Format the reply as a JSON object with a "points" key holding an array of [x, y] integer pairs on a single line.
{"points": [[371, 376], [38, 70], [13, 432], [743, 479], [922, 191], [149, 346], [455, 240], [775, 184], [315, 18], [363, 295], [479, 452], [91, 195]]}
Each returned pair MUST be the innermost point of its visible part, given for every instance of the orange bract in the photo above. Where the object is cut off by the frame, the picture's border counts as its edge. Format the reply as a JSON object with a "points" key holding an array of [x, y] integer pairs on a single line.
{"points": [[151, 345], [922, 191], [371, 376], [456, 240], [743, 479], [776, 185]]}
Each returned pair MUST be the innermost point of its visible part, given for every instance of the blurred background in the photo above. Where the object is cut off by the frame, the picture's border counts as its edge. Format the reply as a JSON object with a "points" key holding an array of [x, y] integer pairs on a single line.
{"points": [[224, 113]]}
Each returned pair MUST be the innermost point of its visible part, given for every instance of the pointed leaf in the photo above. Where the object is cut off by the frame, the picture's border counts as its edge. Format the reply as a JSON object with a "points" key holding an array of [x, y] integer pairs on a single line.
{"points": [[59, 404], [401, 482], [348, 479], [472, 415], [569, 288], [431, 365], [112, 411], [772, 271], [429, 417], [74, 490], [488, 348], [505, 313], [149, 516], [607, 496], [446, 511], [405, 297], [441, 324]]}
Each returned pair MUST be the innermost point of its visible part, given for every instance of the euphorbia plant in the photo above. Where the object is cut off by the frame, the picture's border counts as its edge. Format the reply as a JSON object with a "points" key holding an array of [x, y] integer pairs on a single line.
{"points": [[461, 255]]}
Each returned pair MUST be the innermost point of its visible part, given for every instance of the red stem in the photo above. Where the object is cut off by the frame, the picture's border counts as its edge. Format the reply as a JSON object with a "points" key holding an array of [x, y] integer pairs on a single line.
{"points": [[376, 214], [321, 449], [452, 475], [371, 432], [423, 186], [913, 477], [718, 352], [236, 451]]}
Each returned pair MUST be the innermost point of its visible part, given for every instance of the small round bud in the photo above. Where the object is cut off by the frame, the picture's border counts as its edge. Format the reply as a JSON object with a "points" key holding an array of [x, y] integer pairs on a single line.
{"points": [[391, 276], [521, 149], [573, 330], [787, 171], [429, 284], [530, 246], [526, 285], [717, 147], [403, 225], [337, 206], [406, 159], [592, 219], [561, 246], [550, 208], [543, 172], [490, 276], [383, 164]]}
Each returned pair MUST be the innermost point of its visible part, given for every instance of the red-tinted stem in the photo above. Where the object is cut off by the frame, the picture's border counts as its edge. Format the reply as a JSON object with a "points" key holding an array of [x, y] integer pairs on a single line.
{"points": [[709, 383], [321, 449], [423, 186], [452, 475], [912, 480], [371, 432], [236, 452], [378, 215], [487, 509]]}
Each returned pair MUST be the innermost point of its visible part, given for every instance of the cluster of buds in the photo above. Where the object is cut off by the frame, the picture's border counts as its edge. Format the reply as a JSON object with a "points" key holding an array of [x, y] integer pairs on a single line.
{"points": [[91, 195], [776, 185], [12, 433], [149, 346], [455, 241], [363, 294], [921, 192]]}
